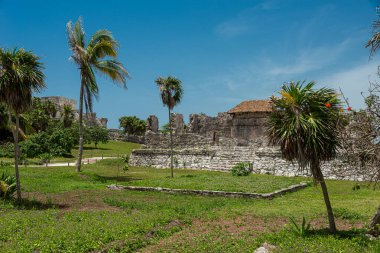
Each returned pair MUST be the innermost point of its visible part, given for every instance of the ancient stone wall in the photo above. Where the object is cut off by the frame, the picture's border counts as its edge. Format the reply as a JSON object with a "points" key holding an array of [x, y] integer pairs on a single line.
{"points": [[248, 126], [219, 143], [212, 127], [224, 155], [89, 118]]}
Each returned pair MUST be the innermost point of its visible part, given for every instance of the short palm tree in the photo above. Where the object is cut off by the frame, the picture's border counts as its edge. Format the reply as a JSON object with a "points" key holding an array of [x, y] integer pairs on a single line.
{"points": [[304, 122], [20, 75], [171, 93], [67, 116], [98, 55]]}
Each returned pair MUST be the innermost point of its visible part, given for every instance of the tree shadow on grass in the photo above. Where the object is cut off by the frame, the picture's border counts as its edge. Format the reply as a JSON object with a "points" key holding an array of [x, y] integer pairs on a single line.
{"points": [[119, 178], [342, 234], [93, 148], [27, 204]]}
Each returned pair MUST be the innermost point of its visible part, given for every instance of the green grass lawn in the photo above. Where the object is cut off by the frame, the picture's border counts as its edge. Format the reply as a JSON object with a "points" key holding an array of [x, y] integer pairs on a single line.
{"points": [[65, 211], [208, 180], [112, 148]]}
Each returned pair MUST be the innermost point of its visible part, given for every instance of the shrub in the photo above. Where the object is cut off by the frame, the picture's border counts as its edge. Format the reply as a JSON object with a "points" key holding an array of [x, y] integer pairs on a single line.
{"points": [[46, 157], [132, 125], [7, 150], [58, 142], [35, 145], [96, 134], [301, 230], [7, 186], [126, 161], [346, 214], [241, 169]]}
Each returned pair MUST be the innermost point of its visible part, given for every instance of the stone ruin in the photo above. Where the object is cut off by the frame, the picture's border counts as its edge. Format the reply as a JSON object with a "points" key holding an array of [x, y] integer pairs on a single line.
{"points": [[219, 143], [90, 118]]}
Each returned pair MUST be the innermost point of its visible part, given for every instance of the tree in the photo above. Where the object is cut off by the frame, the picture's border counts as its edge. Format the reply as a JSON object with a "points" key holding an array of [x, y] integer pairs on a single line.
{"points": [[99, 55], [132, 125], [171, 93], [40, 116], [67, 116], [20, 75], [97, 134], [305, 123]]}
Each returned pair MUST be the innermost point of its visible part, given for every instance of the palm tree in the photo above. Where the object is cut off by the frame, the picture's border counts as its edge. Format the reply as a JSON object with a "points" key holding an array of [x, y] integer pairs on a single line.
{"points": [[305, 123], [67, 116], [171, 93], [20, 76], [99, 55]]}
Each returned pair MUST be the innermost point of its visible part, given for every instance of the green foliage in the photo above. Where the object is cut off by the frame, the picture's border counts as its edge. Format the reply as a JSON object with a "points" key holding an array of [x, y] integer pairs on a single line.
{"points": [[305, 123], [171, 91], [41, 114], [126, 161], [132, 125], [96, 134], [67, 116], [165, 129], [58, 142], [7, 186], [301, 230], [347, 214], [7, 149], [46, 157], [241, 169]]}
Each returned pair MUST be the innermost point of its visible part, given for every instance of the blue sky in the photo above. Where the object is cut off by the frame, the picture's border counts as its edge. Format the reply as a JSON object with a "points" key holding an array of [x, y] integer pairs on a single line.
{"points": [[223, 51]]}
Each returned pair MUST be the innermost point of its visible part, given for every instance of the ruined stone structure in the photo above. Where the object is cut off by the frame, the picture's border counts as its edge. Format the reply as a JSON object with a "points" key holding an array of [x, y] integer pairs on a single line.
{"points": [[60, 102], [219, 143]]}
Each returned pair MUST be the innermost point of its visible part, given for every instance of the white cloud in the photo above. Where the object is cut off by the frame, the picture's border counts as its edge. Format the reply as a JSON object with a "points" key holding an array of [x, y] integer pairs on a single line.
{"points": [[231, 29], [353, 81], [311, 59], [243, 21]]}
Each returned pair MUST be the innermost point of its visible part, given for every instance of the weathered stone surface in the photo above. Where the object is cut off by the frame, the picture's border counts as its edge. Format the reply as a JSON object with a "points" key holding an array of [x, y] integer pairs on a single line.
{"points": [[152, 124], [271, 195], [90, 119], [197, 152], [177, 123], [265, 248]]}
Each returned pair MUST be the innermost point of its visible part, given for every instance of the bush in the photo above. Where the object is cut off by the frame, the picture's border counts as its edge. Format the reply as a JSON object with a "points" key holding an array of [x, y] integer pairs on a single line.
{"points": [[7, 149], [7, 186], [96, 134], [241, 169], [58, 142], [35, 145], [132, 125]]}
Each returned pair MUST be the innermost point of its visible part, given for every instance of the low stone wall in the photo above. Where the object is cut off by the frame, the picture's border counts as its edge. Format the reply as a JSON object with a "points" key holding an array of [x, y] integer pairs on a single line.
{"points": [[265, 160], [270, 195]]}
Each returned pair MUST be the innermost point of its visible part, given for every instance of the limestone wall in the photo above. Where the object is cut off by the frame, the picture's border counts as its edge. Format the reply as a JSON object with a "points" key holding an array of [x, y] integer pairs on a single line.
{"points": [[222, 157]]}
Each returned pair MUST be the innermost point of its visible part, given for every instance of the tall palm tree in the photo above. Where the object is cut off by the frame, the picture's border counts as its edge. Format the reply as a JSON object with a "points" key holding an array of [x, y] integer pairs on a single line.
{"points": [[171, 93], [20, 76], [100, 55], [305, 123]]}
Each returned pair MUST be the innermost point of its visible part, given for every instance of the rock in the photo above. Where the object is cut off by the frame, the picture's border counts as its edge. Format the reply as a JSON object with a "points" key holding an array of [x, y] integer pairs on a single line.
{"points": [[265, 248]]}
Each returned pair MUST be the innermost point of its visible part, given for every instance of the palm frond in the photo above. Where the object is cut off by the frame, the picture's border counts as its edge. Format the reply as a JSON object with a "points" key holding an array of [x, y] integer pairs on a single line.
{"points": [[21, 76], [302, 124], [114, 70], [171, 90]]}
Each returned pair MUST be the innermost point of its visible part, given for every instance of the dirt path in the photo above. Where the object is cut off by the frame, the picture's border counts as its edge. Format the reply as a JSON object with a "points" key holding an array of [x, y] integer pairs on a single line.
{"points": [[90, 160]]}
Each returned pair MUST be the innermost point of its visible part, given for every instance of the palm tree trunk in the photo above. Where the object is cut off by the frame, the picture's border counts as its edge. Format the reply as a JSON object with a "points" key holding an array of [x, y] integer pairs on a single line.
{"points": [[80, 149], [171, 144], [16, 154], [316, 168], [375, 222]]}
